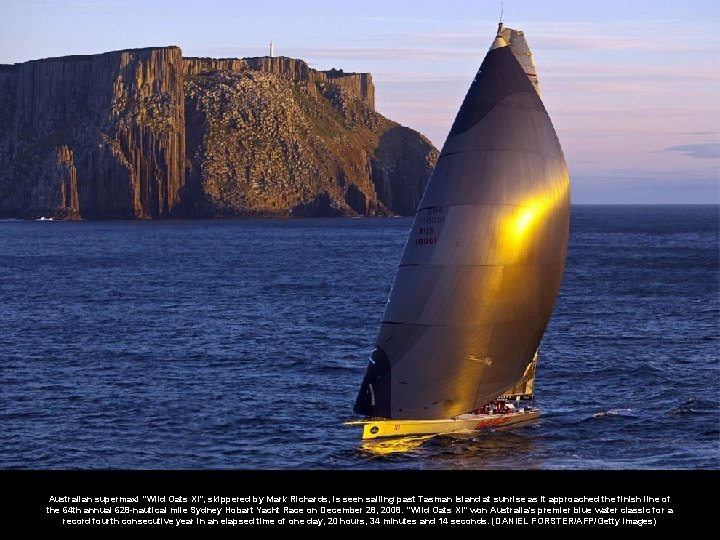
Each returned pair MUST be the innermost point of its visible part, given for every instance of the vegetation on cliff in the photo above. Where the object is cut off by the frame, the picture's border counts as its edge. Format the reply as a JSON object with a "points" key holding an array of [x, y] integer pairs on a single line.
{"points": [[145, 133]]}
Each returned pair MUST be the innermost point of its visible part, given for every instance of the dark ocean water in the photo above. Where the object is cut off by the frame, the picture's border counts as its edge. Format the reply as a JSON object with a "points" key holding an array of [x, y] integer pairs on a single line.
{"points": [[241, 345]]}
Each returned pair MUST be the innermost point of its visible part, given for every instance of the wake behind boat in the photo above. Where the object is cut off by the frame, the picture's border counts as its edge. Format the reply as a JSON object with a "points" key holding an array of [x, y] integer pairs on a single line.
{"points": [[482, 266]]}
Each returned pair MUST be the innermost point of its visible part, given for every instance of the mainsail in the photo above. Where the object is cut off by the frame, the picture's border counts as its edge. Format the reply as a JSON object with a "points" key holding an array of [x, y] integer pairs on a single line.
{"points": [[484, 260]]}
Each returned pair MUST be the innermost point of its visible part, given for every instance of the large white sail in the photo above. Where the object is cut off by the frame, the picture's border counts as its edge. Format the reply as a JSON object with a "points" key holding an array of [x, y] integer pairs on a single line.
{"points": [[483, 264]]}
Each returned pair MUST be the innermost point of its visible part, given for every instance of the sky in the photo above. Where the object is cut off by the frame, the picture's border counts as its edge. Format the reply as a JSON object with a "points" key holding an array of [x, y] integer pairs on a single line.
{"points": [[632, 86]]}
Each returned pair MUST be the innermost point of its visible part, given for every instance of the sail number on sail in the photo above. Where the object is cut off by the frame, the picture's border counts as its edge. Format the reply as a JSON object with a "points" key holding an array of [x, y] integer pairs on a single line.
{"points": [[427, 236]]}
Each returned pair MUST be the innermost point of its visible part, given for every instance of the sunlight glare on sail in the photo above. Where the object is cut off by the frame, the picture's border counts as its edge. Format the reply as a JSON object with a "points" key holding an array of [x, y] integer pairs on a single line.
{"points": [[521, 225], [525, 218]]}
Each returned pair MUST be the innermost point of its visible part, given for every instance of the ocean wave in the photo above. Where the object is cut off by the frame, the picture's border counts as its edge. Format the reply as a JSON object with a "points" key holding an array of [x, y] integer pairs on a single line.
{"points": [[689, 407], [615, 412], [268, 380]]}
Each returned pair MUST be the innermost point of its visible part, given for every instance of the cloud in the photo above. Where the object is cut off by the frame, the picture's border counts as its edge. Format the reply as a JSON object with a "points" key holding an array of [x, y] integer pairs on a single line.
{"points": [[421, 76], [545, 39], [369, 55], [700, 150], [652, 36], [701, 133], [389, 53], [644, 187], [578, 71]]}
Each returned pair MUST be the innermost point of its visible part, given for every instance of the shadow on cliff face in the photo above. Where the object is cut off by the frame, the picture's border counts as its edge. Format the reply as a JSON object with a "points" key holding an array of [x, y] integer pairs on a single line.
{"points": [[193, 201], [401, 167], [356, 200], [320, 206]]}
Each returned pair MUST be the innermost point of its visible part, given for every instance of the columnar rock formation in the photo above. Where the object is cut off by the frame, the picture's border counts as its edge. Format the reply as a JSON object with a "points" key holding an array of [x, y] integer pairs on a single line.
{"points": [[116, 120], [145, 133]]}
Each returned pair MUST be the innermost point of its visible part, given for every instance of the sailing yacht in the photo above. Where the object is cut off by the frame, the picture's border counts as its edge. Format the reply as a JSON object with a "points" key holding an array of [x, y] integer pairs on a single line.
{"points": [[477, 282]]}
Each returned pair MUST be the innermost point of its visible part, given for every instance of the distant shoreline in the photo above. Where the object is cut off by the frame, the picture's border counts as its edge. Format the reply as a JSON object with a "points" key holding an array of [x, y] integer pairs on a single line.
{"points": [[339, 217]]}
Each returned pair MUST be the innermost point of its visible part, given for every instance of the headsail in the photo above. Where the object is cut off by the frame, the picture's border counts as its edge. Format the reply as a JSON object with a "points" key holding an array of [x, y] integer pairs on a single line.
{"points": [[482, 266], [525, 387]]}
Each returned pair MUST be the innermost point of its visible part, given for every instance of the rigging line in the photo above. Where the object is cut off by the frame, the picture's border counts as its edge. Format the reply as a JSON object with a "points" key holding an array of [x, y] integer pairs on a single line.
{"points": [[470, 325], [490, 150], [451, 205], [467, 265]]}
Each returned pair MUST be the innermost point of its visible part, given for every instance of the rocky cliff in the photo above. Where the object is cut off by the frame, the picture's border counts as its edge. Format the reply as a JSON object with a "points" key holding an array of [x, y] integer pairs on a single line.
{"points": [[358, 85], [102, 136], [145, 133], [272, 136]]}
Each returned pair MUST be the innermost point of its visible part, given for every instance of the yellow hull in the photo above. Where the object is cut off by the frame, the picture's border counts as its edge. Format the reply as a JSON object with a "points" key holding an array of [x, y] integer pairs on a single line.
{"points": [[374, 428]]}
